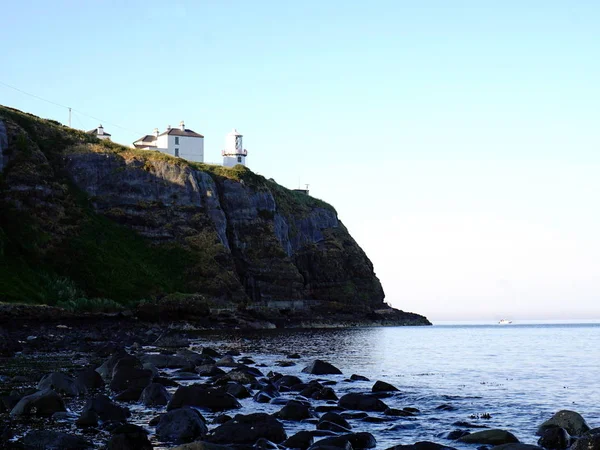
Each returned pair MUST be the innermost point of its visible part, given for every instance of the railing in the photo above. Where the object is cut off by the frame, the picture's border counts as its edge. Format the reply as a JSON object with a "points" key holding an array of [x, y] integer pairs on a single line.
{"points": [[234, 152]]}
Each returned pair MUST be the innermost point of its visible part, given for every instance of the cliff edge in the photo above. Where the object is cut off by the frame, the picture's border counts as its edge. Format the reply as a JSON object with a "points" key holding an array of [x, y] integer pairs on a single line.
{"points": [[92, 225]]}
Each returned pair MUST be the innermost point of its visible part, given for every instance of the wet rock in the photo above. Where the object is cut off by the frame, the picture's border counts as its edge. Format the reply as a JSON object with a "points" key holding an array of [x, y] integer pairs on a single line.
{"points": [[324, 445], [267, 394], [462, 423], [516, 447], [490, 437], [89, 378], [288, 381], [238, 390], [554, 438], [167, 362], [293, 356], [335, 418], [106, 369], [319, 367], [356, 440], [569, 420], [8, 345], [181, 425], [166, 382], [201, 445], [106, 409], [398, 412], [35, 440], [62, 384], [129, 437], [295, 411], [422, 445], [265, 444], [155, 394], [355, 377], [445, 407], [221, 419], [87, 419], [226, 361], [285, 363], [211, 352], [125, 377], [173, 341], [129, 395], [241, 376], [589, 441], [362, 402], [301, 440], [42, 403], [330, 426], [382, 386], [209, 370], [247, 429], [201, 397], [457, 434], [325, 394]]}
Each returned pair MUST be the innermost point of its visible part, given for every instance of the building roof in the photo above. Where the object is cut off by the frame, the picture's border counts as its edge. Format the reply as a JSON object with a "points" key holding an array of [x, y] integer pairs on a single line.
{"points": [[95, 131], [147, 138], [180, 132]]}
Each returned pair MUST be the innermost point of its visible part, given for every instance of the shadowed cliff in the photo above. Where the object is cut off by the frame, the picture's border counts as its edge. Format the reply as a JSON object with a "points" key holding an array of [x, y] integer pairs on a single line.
{"points": [[92, 221]]}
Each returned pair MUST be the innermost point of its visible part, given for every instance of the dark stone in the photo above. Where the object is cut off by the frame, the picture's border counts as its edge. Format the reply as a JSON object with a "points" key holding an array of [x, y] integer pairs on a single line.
{"points": [[301, 440], [589, 441], [241, 376], [382, 386], [125, 377], [247, 429], [211, 352], [515, 446], [129, 437], [569, 420], [554, 438], [36, 440], [265, 444], [330, 426], [295, 411], [362, 402], [489, 437], [319, 367], [355, 377], [129, 395], [173, 341], [238, 390], [89, 378], [267, 394], [181, 425], [445, 407], [325, 394], [209, 370], [457, 434], [221, 419], [45, 403], [62, 384], [167, 382], [8, 345], [356, 440], [106, 369], [155, 394], [106, 409], [201, 397], [334, 417], [293, 356], [87, 419], [226, 361], [423, 445], [167, 362]]}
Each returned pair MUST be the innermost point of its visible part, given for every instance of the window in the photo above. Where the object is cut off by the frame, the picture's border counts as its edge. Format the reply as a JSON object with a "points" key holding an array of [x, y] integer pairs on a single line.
{"points": [[176, 140], [177, 152], [239, 159]]}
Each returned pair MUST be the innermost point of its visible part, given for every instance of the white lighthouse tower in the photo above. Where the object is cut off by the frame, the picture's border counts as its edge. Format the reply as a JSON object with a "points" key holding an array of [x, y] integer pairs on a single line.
{"points": [[234, 152]]}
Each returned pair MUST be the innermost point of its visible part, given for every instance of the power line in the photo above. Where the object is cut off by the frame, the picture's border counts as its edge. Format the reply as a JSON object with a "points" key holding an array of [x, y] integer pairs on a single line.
{"points": [[69, 108]]}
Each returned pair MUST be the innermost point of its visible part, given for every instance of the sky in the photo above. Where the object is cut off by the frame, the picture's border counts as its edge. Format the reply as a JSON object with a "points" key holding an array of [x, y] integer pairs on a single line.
{"points": [[457, 139]]}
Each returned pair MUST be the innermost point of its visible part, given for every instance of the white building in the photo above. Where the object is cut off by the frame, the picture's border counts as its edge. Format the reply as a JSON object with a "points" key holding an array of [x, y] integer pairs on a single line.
{"points": [[99, 133], [234, 153], [180, 142]]}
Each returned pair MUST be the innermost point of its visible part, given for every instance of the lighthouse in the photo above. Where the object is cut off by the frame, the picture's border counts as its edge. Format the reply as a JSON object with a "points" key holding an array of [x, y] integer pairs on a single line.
{"points": [[234, 153]]}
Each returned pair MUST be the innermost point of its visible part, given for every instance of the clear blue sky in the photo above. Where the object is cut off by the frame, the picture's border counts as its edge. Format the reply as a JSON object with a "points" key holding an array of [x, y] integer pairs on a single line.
{"points": [[458, 140]]}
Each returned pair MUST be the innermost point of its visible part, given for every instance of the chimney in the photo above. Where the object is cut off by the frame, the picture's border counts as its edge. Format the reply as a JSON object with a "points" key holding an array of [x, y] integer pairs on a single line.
{"points": [[155, 132], [168, 127], [100, 130], [182, 125]]}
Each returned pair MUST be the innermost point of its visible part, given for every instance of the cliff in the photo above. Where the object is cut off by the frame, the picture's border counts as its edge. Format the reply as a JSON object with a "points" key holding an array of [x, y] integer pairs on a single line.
{"points": [[87, 222]]}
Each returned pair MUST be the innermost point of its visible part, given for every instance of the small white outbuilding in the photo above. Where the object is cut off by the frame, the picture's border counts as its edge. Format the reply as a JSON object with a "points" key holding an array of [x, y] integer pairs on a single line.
{"points": [[100, 133], [234, 152]]}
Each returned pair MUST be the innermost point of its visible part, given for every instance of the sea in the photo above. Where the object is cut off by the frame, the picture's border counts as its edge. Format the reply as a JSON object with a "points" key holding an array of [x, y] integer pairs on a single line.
{"points": [[512, 377]]}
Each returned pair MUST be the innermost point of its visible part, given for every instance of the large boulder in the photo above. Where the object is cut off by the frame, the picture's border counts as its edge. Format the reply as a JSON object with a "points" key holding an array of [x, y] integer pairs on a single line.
{"points": [[422, 445], [181, 425], [490, 437], [247, 429], [301, 440], [167, 362], [62, 383], [554, 438], [516, 447], [589, 441], [356, 440], [155, 394], [53, 440], [129, 437], [319, 367], [569, 420], [202, 397], [295, 411], [288, 381], [334, 417], [209, 370], [106, 409], [89, 378], [129, 377], [106, 369], [201, 445], [42, 403], [382, 386], [362, 402]]}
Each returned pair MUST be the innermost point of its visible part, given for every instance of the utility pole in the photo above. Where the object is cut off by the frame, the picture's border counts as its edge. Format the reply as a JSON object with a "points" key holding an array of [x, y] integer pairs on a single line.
{"points": [[69, 117]]}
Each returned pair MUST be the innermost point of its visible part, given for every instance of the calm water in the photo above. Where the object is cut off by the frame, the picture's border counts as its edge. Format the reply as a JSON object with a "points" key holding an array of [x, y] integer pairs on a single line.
{"points": [[520, 374]]}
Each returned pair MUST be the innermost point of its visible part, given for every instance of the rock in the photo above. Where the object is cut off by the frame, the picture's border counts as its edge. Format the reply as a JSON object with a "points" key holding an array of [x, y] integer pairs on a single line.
{"points": [[201, 397], [267, 394], [398, 412], [265, 444], [445, 407], [211, 352], [155, 394], [106, 409], [382, 386], [181, 425], [62, 384], [295, 411], [238, 390], [201, 445], [422, 445], [241, 376], [554, 438], [355, 377], [456, 434], [324, 394], [129, 437], [8, 345], [89, 378], [167, 362], [335, 418], [330, 426], [319, 367], [87, 419], [288, 381], [247, 429], [125, 377], [489, 437], [362, 402], [324, 445], [44, 403], [222, 418], [516, 447], [53, 440], [166, 382], [209, 370], [569, 420], [301, 440], [356, 440], [226, 361], [129, 395], [106, 369], [172, 342]]}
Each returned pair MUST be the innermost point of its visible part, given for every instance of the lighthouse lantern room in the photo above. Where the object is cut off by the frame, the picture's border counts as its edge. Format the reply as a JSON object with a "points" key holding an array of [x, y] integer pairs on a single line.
{"points": [[234, 153]]}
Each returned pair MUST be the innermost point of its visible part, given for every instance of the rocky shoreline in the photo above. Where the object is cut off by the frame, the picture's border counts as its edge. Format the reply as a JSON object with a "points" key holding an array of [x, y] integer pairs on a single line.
{"points": [[102, 384]]}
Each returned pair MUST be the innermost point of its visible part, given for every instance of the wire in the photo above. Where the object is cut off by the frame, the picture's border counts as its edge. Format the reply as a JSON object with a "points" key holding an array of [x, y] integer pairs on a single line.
{"points": [[69, 108]]}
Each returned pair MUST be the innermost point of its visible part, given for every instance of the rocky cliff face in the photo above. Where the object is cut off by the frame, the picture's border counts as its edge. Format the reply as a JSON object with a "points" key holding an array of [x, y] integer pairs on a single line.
{"points": [[228, 234]]}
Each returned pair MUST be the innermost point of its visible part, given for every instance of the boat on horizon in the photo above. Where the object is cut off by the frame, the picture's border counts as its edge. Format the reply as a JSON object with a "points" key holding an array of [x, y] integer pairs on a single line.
{"points": [[504, 322]]}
